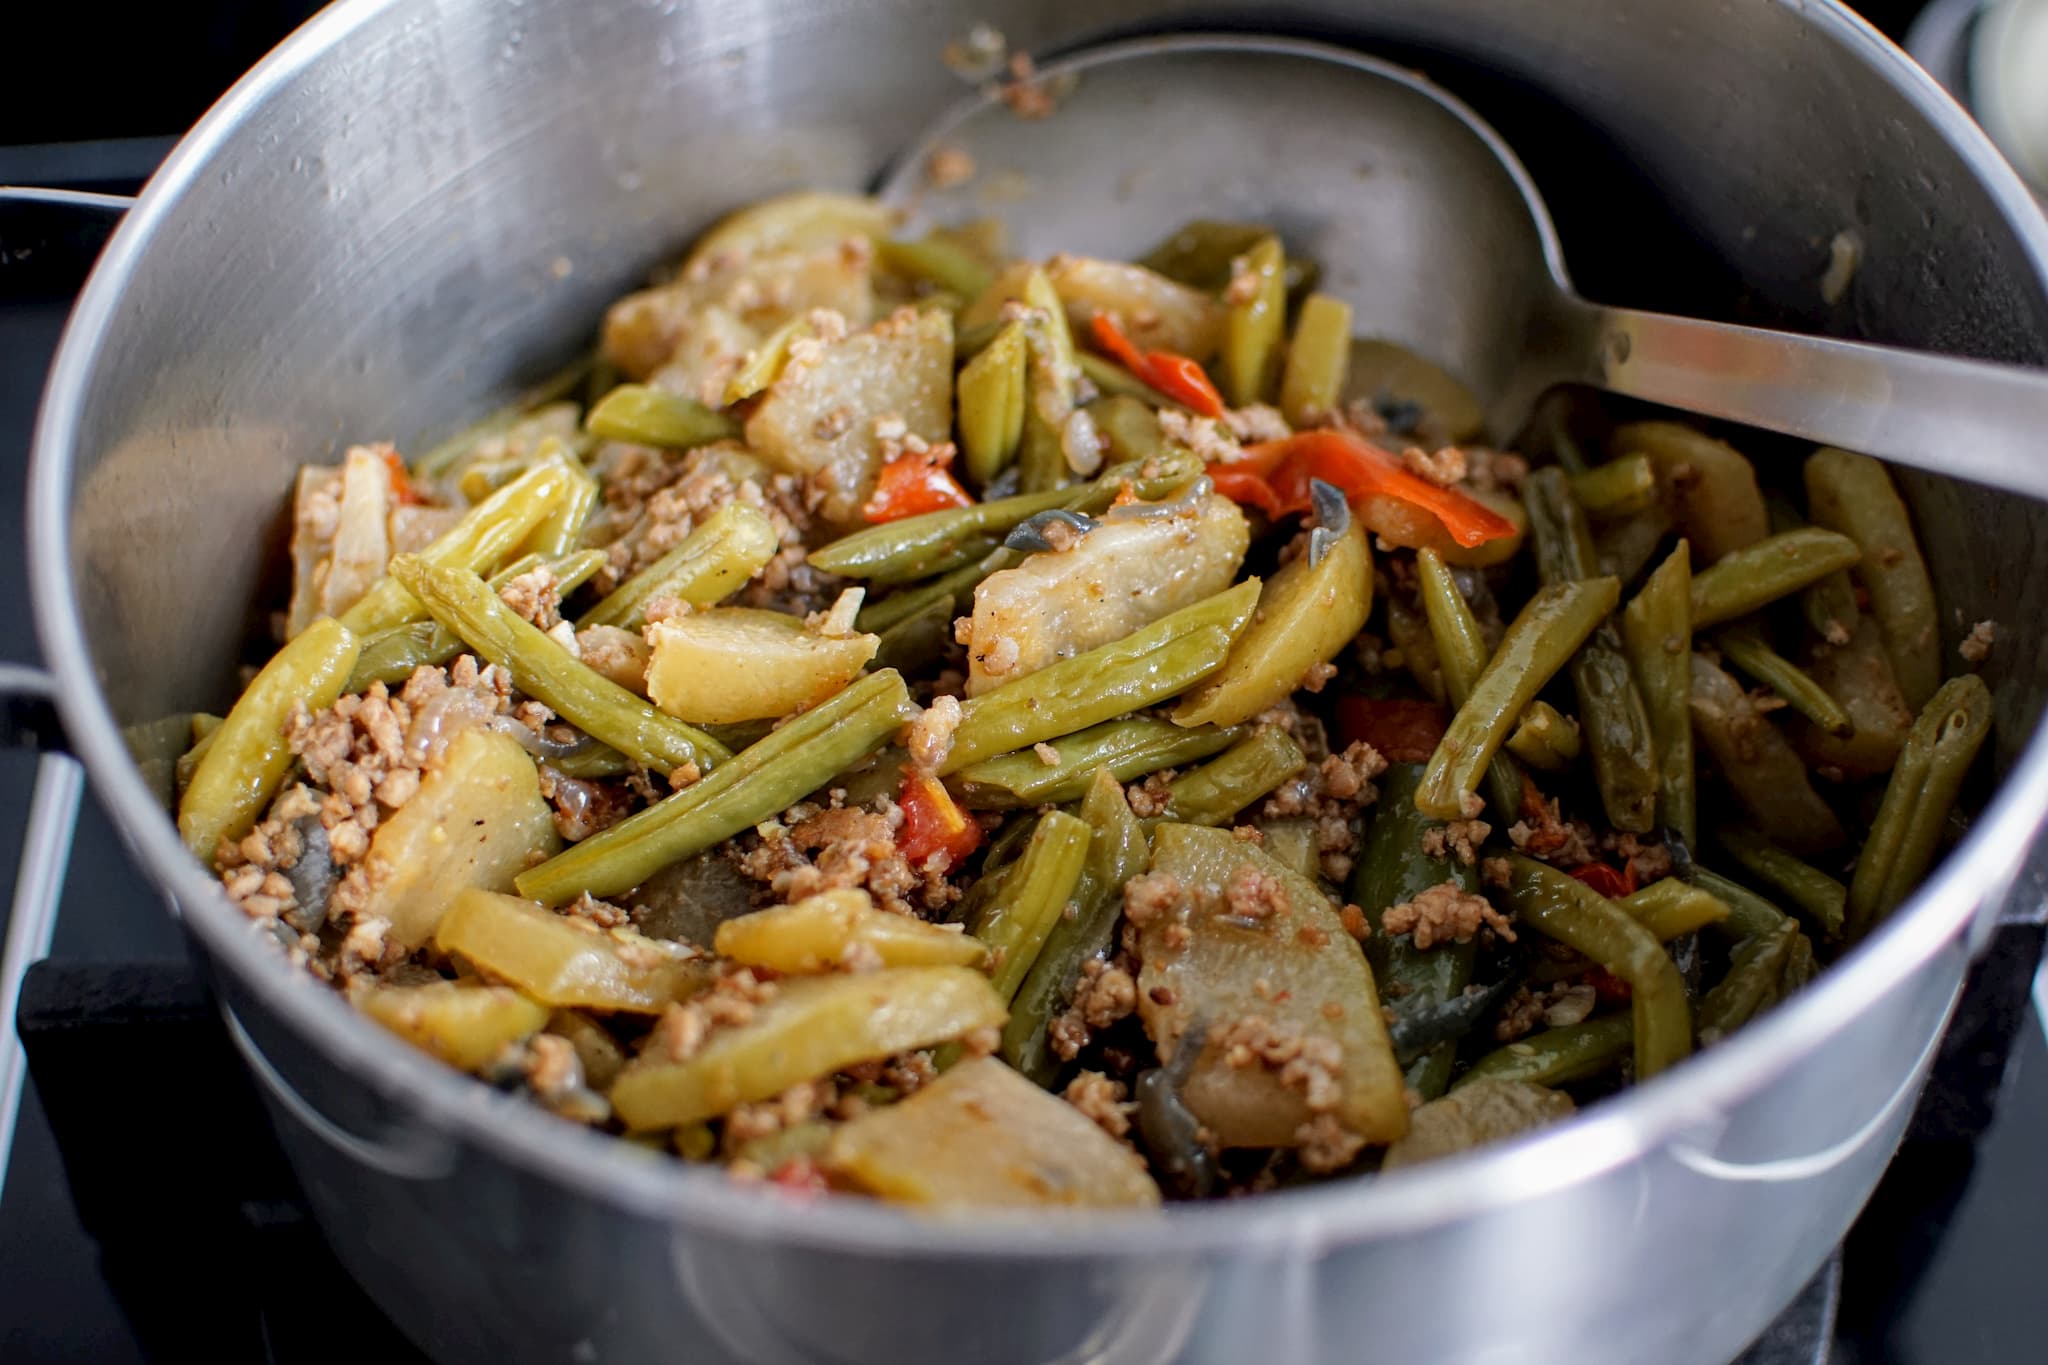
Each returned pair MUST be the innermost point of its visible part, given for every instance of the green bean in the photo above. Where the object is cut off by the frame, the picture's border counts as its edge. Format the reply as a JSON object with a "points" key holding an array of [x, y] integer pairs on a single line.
{"points": [[1412, 646], [1462, 655], [1244, 773], [1201, 253], [1539, 642], [1746, 648], [485, 534], [955, 589], [1557, 1056], [1624, 548], [1754, 983], [593, 760], [1611, 712], [759, 782], [1743, 580], [1670, 908], [1017, 922], [1112, 680], [1128, 748], [710, 564], [1114, 381], [1392, 869], [1116, 853], [1803, 886], [561, 531], [1620, 488], [654, 417], [1938, 752], [936, 259], [1050, 374], [1545, 738], [393, 656], [1254, 328], [917, 642], [1656, 630], [1312, 380], [959, 555], [1853, 494], [545, 671], [1857, 675], [1757, 763], [1563, 908], [991, 391], [248, 756], [443, 457], [893, 545], [1748, 913]]}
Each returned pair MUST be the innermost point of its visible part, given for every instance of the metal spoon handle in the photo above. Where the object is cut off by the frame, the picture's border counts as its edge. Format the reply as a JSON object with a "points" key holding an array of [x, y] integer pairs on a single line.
{"points": [[1969, 419]]}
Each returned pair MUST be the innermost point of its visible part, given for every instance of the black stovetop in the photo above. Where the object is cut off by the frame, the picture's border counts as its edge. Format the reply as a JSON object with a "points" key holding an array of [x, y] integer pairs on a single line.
{"points": [[165, 1227]]}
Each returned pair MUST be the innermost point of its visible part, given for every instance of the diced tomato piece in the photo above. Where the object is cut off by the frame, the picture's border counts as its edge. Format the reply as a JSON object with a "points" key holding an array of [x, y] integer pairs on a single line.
{"points": [[933, 822], [1607, 987], [1404, 731], [911, 485], [799, 1176], [1608, 881]]}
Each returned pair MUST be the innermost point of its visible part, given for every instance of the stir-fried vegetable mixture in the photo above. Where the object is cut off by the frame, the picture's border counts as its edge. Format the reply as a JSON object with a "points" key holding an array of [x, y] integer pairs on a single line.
{"points": [[972, 731]]}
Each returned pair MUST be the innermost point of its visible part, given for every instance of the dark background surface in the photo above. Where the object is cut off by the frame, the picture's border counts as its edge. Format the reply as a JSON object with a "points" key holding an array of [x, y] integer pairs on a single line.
{"points": [[1943, 1271]]}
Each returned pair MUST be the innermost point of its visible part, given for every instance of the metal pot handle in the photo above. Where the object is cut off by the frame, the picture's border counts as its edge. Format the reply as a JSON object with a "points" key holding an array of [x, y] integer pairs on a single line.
{"points": [[28, 720]]}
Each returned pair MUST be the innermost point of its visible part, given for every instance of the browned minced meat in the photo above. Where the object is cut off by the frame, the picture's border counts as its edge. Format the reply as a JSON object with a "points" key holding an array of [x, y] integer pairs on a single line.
{"points": [[535, 595], [1325, 1146], [1976, 646], [1487, 470], [929, 738], [1442, 468], [1102, 1100], [800, 1103], [948, 165], [1648, 861], [603, 914], [1496, 872], [1446, 913], [1152, 796], [1460, 837], [733, 996], [811, 850], [1313, 1065], [1151, 897], [1551, 838], [1257, 422], [1252, 893], [1332, 794], [1558, 1005]]}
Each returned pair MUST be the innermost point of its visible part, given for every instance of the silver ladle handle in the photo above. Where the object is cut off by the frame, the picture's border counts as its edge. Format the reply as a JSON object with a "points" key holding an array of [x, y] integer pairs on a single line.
{"points": [[1968, 419]]}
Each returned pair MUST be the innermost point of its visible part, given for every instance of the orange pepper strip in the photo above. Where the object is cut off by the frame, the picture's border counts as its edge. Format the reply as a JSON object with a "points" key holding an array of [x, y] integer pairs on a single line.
{"points": [[1286, 468], [910, 485], [1176, 376]]}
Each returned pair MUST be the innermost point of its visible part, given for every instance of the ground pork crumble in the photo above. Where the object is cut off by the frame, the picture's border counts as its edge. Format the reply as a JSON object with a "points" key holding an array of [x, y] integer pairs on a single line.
{"points": [[1446, 913], [1102, 1100], [813, 849], [1331, 793]]}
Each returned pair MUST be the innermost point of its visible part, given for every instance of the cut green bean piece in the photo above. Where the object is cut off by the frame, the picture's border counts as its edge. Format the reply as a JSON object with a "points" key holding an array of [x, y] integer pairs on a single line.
{"points": [[1670, 908], [1462, 656], [1907, 832], [545, 671], [1757, 763], [1798, 883], [1545, 738], [955, 589], [1746, 648], [1853, 494], [1611, 712], [1563, 908], [1748, 913], [1140, 670], [714, 561], [1034, 897], [1049, 380], [1558, 1056], [396, 654], [1312, 381], [936, 259], [991, 392], [1117, 852], [1656, 630], [1255, 326], [1542, 639], [1620, 488], [248, 755], [561, 531], [654, 417], [1244, 773], [1393, 869], [1128, 749], [1754, 983], [485, 535], [1744, 580], [760, 781]]}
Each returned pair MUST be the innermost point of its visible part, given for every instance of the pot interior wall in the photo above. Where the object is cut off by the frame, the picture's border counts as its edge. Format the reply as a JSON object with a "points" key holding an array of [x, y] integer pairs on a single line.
{"points": [[399, 234]]}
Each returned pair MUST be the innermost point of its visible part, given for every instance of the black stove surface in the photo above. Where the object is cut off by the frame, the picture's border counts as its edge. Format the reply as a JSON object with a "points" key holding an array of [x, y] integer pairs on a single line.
{"points": [[146, 1215]]}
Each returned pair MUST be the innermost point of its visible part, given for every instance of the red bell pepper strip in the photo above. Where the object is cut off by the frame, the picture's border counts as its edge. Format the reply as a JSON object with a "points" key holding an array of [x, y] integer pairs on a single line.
{"points": [[1404, 731], [401, 479], [1176, 376], [1275, 476], [934, 823], [1606, 880], [1608, 988], [913, 484]]}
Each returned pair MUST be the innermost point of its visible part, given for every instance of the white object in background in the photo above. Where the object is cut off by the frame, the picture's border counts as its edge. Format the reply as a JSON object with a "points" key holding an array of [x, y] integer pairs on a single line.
{"points": [[2009, 83]]}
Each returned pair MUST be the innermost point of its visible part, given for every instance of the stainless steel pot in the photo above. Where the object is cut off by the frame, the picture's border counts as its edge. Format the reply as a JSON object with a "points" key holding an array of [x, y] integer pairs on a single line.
{"points": [[412, 206]]}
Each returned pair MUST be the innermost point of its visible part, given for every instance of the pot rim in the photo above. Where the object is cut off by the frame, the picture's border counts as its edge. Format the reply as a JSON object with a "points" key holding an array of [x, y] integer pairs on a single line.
{"points": [[1292, 1223]]}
